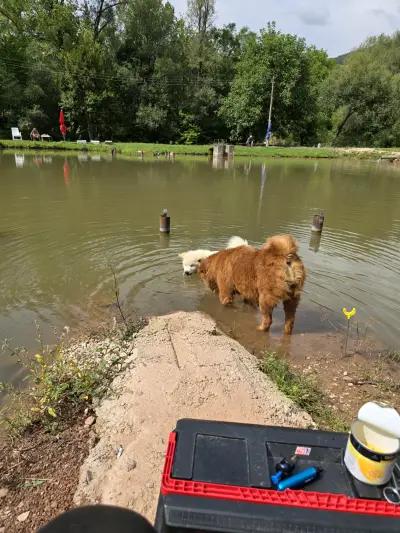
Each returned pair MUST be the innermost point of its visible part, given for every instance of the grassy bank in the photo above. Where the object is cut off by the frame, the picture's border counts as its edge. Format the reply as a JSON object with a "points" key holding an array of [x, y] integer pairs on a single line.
{"points": [[131, 149], [303, 391]]}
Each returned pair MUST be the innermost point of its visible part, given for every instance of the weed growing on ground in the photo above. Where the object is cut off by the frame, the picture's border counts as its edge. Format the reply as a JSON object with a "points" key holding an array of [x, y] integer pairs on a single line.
{"points": [[393, 356], [61, 384], [303, 391]]}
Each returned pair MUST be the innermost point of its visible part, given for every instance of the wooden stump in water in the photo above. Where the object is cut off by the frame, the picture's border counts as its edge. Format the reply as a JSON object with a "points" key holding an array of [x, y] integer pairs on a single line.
{"points": [[165, 222], [318, 223], [229, 150], [219, 150]]}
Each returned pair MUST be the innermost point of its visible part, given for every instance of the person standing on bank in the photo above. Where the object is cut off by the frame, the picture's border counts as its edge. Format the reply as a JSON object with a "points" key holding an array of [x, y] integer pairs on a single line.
{"points": [[250, 140]]}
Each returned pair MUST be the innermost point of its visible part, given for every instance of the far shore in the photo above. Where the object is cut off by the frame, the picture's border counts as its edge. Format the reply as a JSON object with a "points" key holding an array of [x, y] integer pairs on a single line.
{"points": [[134, 149]]}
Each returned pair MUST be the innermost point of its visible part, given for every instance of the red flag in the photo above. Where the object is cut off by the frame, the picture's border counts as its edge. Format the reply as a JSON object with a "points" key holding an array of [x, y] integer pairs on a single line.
{"points": [[63, 127]]}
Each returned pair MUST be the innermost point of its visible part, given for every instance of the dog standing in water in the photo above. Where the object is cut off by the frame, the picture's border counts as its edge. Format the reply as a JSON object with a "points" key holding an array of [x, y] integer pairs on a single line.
{"points": [[263, 277]]}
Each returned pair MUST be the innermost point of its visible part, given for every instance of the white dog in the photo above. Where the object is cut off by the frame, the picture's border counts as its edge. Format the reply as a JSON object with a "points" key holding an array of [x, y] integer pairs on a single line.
{"points": [[191, 259]]}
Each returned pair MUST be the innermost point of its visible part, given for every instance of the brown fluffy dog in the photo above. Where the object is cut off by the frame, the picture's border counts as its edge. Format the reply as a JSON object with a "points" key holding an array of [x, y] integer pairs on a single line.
{"points": [[262, 277]]}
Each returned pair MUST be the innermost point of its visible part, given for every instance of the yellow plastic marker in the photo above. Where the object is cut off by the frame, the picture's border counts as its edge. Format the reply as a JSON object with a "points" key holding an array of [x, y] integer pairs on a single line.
{"points": [[349, 314]]}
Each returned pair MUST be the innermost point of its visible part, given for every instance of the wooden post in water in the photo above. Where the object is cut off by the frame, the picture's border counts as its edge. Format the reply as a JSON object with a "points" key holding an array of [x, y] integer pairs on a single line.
{"points": [[318, 223], [219, 150], [230, 150], [165, 222]]}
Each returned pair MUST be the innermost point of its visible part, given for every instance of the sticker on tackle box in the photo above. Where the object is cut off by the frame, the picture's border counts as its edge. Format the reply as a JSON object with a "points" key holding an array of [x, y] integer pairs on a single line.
{"points": [[302, 450]]}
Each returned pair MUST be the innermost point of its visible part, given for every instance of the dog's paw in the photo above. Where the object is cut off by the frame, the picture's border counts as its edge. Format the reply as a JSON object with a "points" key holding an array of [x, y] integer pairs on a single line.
{"points": [[263, 327]]}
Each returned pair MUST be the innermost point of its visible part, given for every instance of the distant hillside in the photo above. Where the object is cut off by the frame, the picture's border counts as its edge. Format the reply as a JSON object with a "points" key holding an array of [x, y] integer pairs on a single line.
{"points": [[342, 58]]}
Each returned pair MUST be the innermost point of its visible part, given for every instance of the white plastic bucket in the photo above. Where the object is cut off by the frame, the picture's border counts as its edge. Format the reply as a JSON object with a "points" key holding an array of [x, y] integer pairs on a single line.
{"points": [[371, 453]]}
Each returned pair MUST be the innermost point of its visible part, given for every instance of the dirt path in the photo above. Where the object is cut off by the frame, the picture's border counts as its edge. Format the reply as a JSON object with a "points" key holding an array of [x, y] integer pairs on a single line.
{"points": [[38, 476], [182, 367]]}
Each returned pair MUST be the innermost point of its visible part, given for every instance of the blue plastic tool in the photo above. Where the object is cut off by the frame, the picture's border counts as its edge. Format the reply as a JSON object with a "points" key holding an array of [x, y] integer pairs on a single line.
{"points": [[300, 479], [276, 478], [283, 469]]}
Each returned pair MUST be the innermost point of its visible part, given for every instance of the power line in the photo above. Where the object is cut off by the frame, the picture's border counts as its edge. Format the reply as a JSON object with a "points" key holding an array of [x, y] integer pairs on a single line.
{"points": [[165, 80]]}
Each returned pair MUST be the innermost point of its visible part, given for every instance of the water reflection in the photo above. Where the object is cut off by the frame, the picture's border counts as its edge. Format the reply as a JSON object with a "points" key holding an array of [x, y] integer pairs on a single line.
{"points": [[83, 157], [67, 172], [19, 160], [315, 241], [164, 241], [262, 185], [247, 167]]}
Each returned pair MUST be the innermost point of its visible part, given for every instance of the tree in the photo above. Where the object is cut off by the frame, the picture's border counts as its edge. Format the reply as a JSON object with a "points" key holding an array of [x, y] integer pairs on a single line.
{"points": [[88, 87], [33, 36], [297, 70], [201, 14], [362, 95], [152, 53], [100, 14]]}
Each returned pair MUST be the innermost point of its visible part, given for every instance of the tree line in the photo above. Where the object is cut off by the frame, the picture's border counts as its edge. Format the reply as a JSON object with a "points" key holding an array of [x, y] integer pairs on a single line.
{"points": [[134, 70]]}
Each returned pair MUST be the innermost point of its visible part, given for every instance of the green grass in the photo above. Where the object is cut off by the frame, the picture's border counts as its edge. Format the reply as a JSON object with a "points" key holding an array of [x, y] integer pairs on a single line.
{"points": [[131, 149], [393, 356], [53, 146], [303, 391]]}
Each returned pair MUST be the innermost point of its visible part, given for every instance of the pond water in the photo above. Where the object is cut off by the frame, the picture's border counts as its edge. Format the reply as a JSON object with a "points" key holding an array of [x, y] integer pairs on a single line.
{"points": [[64, 220]]}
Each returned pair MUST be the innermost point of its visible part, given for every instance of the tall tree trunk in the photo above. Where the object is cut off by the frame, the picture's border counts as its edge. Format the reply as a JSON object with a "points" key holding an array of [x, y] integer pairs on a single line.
{"points": [[349, 113]]}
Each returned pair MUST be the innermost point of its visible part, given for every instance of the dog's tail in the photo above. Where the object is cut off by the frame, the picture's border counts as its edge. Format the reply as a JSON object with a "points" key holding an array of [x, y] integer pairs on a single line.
{"points": [[234, 242], [285, 246], [281, 245]]}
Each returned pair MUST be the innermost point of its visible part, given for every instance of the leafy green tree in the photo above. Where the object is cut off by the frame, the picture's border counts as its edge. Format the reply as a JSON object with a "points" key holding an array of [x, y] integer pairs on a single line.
{"points": [[152, 54], [362, 95], [88, 91], [101, 15], [33, 35], [297, 71]]}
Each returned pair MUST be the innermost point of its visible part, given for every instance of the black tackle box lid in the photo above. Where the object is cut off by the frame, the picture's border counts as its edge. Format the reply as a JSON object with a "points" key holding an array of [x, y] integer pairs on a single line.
{"points": [[213, 463]]}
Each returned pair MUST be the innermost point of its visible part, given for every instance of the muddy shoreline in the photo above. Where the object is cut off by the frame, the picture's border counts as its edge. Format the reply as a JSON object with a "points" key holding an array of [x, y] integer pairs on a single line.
{"points": [[180, 365], [368, 371]]}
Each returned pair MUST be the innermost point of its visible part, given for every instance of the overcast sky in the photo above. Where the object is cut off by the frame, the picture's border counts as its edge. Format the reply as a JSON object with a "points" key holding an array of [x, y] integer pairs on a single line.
{"points": [[338, 26]]}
